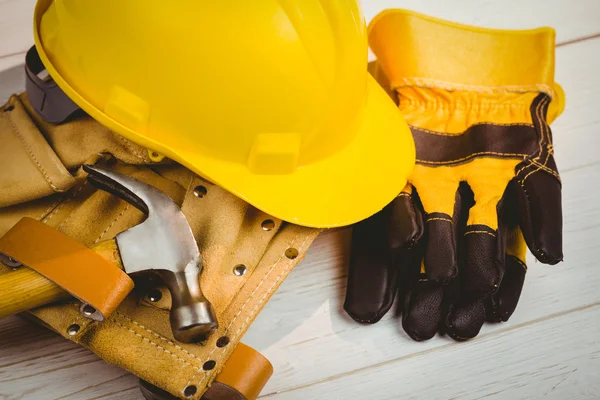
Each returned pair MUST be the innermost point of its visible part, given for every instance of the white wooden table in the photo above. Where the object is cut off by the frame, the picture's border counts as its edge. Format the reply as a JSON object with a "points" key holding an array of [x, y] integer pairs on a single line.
{"points": [[550, 349]]}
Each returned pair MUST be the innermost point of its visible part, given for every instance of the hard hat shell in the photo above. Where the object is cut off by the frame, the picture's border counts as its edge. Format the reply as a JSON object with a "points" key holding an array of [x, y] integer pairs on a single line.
{"points": [[270, 100]]}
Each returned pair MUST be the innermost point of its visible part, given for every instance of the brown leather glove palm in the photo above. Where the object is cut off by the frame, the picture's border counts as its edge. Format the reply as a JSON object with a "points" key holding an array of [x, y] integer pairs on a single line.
{"points": [[479, 103]]}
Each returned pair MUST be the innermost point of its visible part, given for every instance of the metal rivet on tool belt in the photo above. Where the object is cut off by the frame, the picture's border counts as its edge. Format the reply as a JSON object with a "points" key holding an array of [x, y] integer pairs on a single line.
{"points": [[222, 341], [154, 295], [200, 191], [291, 253], [10, 262], [240, 269], [209, 365], [268, 224], [190, 391], [88, 310], [73, 329]]}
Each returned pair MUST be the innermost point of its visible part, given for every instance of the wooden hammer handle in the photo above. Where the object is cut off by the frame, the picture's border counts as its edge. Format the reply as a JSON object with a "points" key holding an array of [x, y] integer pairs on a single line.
{"points": [[24, 288]]}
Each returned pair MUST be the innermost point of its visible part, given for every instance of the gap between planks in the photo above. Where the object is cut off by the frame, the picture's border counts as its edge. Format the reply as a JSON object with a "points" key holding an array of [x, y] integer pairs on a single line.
{"points": [[578, 40], [91, 387], [3, 56], [435, 349]]}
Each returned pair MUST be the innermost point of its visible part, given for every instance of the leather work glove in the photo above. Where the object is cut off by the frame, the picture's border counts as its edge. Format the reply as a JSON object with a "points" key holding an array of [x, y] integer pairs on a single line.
{"points": [[452, 244]]}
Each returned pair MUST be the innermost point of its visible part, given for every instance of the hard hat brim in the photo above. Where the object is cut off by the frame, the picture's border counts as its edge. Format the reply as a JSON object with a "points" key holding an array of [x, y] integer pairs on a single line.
{"points": [[344, 188], [340, 190]]}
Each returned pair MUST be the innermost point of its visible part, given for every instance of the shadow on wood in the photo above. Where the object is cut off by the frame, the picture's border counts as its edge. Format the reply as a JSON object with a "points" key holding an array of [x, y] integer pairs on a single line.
{"points": [[12, 81]]}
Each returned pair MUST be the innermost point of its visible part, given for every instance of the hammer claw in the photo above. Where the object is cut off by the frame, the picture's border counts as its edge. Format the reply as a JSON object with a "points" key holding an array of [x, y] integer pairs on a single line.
{"points": [[165, 245]]}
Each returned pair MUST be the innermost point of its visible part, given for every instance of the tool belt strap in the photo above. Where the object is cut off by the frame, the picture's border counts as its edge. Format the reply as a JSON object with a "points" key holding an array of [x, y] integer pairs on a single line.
{"points": [[98, 283]]}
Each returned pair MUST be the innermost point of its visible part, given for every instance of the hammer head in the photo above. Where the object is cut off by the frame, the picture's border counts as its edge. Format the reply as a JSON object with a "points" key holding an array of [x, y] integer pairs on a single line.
{"points": [[164, 245]]}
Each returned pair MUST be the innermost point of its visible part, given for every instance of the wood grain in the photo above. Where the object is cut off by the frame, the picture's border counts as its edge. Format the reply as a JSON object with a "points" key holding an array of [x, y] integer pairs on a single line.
{"points": [[558, 358], [16, 26], [549, 348], [55, 368]]}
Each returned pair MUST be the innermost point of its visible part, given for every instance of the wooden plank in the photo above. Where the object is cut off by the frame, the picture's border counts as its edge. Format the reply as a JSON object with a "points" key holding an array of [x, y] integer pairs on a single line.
{"points": [[124, 387], [557, 358], [36, 363], [12, 76], [577, 66], [116, 394], [571, 19], [16, 26], [304, 323]]}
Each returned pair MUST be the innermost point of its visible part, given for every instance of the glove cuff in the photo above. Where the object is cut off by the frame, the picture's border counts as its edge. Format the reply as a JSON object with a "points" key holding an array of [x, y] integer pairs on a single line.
{"points": [[418, 50]]}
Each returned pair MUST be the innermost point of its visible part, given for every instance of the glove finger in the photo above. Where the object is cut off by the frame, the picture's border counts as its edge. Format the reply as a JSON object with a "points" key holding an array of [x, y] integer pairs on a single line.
{"points": [[463, 315], [539, 194], [424, 302], [423, 309], [410, 256], [417, 301], [405, 228], [540, 209], [501, 305], [464, 318], [485, 235], [482, 271], [377, 246], [442, 208]]}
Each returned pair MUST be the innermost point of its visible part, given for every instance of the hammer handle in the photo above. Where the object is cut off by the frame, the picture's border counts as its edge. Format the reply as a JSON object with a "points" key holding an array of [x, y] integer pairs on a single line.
{"points": [[24, 288]]}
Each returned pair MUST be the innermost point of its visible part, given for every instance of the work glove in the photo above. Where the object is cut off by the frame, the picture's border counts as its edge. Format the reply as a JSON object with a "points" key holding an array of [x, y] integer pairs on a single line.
{"points": [[452, 244]]}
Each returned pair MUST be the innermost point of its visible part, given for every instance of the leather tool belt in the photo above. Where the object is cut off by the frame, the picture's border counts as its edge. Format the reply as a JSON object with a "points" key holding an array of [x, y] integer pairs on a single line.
{"points": [[247, 254]]}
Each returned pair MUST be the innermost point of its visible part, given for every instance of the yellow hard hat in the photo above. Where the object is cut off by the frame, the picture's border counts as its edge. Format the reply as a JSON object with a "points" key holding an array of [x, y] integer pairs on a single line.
{"points": [[269, 99]]}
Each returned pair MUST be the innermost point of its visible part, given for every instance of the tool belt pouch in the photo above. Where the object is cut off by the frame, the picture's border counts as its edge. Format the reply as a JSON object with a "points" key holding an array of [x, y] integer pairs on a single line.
{"points": [[246, 253]]}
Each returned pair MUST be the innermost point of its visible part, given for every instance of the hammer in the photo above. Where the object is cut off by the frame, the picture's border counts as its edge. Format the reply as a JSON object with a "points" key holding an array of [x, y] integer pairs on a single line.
{"points": [[162, 245]]}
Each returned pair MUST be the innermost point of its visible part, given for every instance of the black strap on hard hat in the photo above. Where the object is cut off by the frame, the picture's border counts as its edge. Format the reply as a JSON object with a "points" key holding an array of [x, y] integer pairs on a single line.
{"points": [[44, 95]]}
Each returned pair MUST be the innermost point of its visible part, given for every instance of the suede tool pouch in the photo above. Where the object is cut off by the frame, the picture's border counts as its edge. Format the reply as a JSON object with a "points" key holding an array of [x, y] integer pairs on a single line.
{"points": [[246, 253]]}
